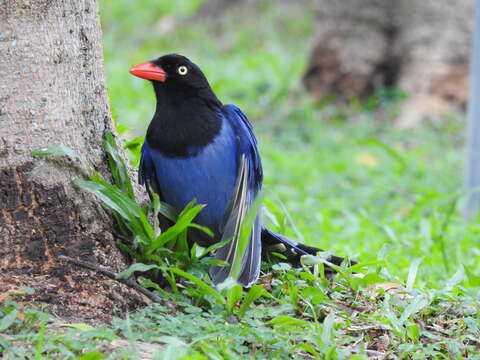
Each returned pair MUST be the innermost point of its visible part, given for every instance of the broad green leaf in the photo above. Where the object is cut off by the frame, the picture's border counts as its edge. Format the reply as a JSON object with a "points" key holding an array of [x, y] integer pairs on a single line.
{"points": [[214, 247], [360, 267], [391, 316], [40, 338], [201, 285], [473, 279], [121, 129], [315, 294], [205, 229], [413, 332], [321, 259], [78, 326], [214, 262], [234, 295], [128, 250], [327, 333], [195, 251], [273, 212], [210, 351], [412, 273], [117, 201], [8, 320], [312, 260], [176, 348], [117, 165], [456, 279], [182, 242], [278, 255], [92, 355], [184, 220], [311, 350], [287, 320], [417, 304], [281, 266], [394, 154], [155, 205], [253, 294], [135, 267], [147, 283], [160, 207], [331, 353], [27, 289], [55, 151], [168, 211]]}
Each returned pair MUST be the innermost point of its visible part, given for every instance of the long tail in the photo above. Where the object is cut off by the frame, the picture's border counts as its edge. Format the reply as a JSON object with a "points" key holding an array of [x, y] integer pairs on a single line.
{"points": [[294, 249]]}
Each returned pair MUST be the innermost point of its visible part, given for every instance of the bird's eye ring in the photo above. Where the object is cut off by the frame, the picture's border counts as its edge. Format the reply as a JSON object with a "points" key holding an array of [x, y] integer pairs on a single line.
{"points": [[182, 70]]}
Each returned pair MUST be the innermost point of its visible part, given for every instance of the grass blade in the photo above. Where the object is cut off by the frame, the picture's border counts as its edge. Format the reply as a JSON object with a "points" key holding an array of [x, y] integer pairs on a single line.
{"points": [[253, 294], [412, 273], [233, 297], [201, 285], [135, 267], [56, 150], [117, 165], [117, 201], [185, 219], [244, 237]]}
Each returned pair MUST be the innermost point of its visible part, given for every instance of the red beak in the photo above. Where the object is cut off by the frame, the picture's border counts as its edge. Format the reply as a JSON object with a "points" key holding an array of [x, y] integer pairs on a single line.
{"points": [[148, 71]]}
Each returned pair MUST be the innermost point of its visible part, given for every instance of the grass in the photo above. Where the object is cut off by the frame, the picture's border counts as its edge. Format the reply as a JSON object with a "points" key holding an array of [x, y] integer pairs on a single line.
{"points": [[349, 182], [337, 177]]}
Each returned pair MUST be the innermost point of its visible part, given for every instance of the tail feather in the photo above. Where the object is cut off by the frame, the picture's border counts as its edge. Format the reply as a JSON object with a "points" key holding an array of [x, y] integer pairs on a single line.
{"points": [[251, 262], [251, 256], [296, 250]]}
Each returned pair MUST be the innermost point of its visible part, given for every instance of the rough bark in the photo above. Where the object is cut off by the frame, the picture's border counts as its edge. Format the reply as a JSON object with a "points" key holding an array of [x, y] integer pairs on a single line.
{"points": [[52, 92], [422, 47]]}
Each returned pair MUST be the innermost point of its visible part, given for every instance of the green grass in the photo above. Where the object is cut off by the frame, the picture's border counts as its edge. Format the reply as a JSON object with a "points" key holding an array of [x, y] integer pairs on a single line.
{"points": [[338, 177], [348, 182]]}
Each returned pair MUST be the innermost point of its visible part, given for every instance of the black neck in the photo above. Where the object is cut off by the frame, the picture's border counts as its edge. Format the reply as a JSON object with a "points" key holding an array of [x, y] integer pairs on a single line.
{"points": [[184, 120]]}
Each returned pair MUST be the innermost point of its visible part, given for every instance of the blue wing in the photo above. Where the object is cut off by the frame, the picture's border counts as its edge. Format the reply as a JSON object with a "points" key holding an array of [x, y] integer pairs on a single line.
{"points": [[226, 175], [248, 185], [248, 145]]}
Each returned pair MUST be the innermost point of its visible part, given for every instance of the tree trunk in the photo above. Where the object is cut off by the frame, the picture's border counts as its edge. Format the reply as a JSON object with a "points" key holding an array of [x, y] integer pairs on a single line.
{"points": [[52, 92], [421, 47]]}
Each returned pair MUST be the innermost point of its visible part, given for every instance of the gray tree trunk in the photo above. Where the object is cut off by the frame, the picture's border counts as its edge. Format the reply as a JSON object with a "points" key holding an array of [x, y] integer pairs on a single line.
{"points": [[419, 46], [52, 92]]}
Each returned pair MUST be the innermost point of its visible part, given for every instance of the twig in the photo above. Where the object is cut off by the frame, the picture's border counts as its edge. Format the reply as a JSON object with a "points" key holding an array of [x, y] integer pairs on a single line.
{"points": [[124, 238], [129, 282]]}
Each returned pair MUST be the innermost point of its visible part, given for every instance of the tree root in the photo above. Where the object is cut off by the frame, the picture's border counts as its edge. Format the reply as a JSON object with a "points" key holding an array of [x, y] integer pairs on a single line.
{"points": [[129, 282]]}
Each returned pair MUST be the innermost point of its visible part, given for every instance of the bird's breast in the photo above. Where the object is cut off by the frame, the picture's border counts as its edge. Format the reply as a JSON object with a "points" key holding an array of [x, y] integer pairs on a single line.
{"points": [[208, 175]]}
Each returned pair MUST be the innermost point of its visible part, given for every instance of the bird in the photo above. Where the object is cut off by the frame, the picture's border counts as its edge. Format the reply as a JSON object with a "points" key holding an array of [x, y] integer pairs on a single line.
{"points": [[196, 147]]}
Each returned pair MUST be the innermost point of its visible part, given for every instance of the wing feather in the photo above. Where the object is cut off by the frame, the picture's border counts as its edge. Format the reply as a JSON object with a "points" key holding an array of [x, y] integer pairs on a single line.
{"points": [[248, 184], [241, 144]]}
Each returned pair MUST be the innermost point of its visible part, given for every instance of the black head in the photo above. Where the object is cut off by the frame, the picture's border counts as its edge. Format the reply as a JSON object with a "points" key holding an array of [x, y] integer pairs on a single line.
{"points": [[187, 113], [175, 75]]}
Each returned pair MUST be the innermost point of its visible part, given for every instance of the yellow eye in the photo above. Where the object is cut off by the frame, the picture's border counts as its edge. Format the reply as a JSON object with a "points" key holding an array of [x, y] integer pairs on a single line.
{"points": [[182, 70]]}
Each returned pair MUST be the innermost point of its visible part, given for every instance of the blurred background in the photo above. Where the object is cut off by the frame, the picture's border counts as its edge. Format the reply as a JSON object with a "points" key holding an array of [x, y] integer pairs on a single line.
{"points": [[359, 108]]}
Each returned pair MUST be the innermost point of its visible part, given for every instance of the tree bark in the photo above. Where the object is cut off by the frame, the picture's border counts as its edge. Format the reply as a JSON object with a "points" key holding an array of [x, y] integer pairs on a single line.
{"points": [[421, 47], [52, 92]]}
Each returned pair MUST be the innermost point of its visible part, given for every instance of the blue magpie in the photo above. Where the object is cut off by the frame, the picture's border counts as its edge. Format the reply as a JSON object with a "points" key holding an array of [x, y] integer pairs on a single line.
{"points": [[198, 148]]}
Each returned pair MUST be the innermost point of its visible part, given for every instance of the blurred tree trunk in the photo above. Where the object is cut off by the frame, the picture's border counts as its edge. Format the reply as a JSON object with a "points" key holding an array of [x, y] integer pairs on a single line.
{"points": [[52, 92], [422, 47], [215, 8]]}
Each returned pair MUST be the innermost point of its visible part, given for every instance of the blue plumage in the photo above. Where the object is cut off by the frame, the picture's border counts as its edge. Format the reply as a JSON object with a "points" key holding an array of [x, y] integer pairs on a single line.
{"points": [[209, 174], [198, 148]]}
